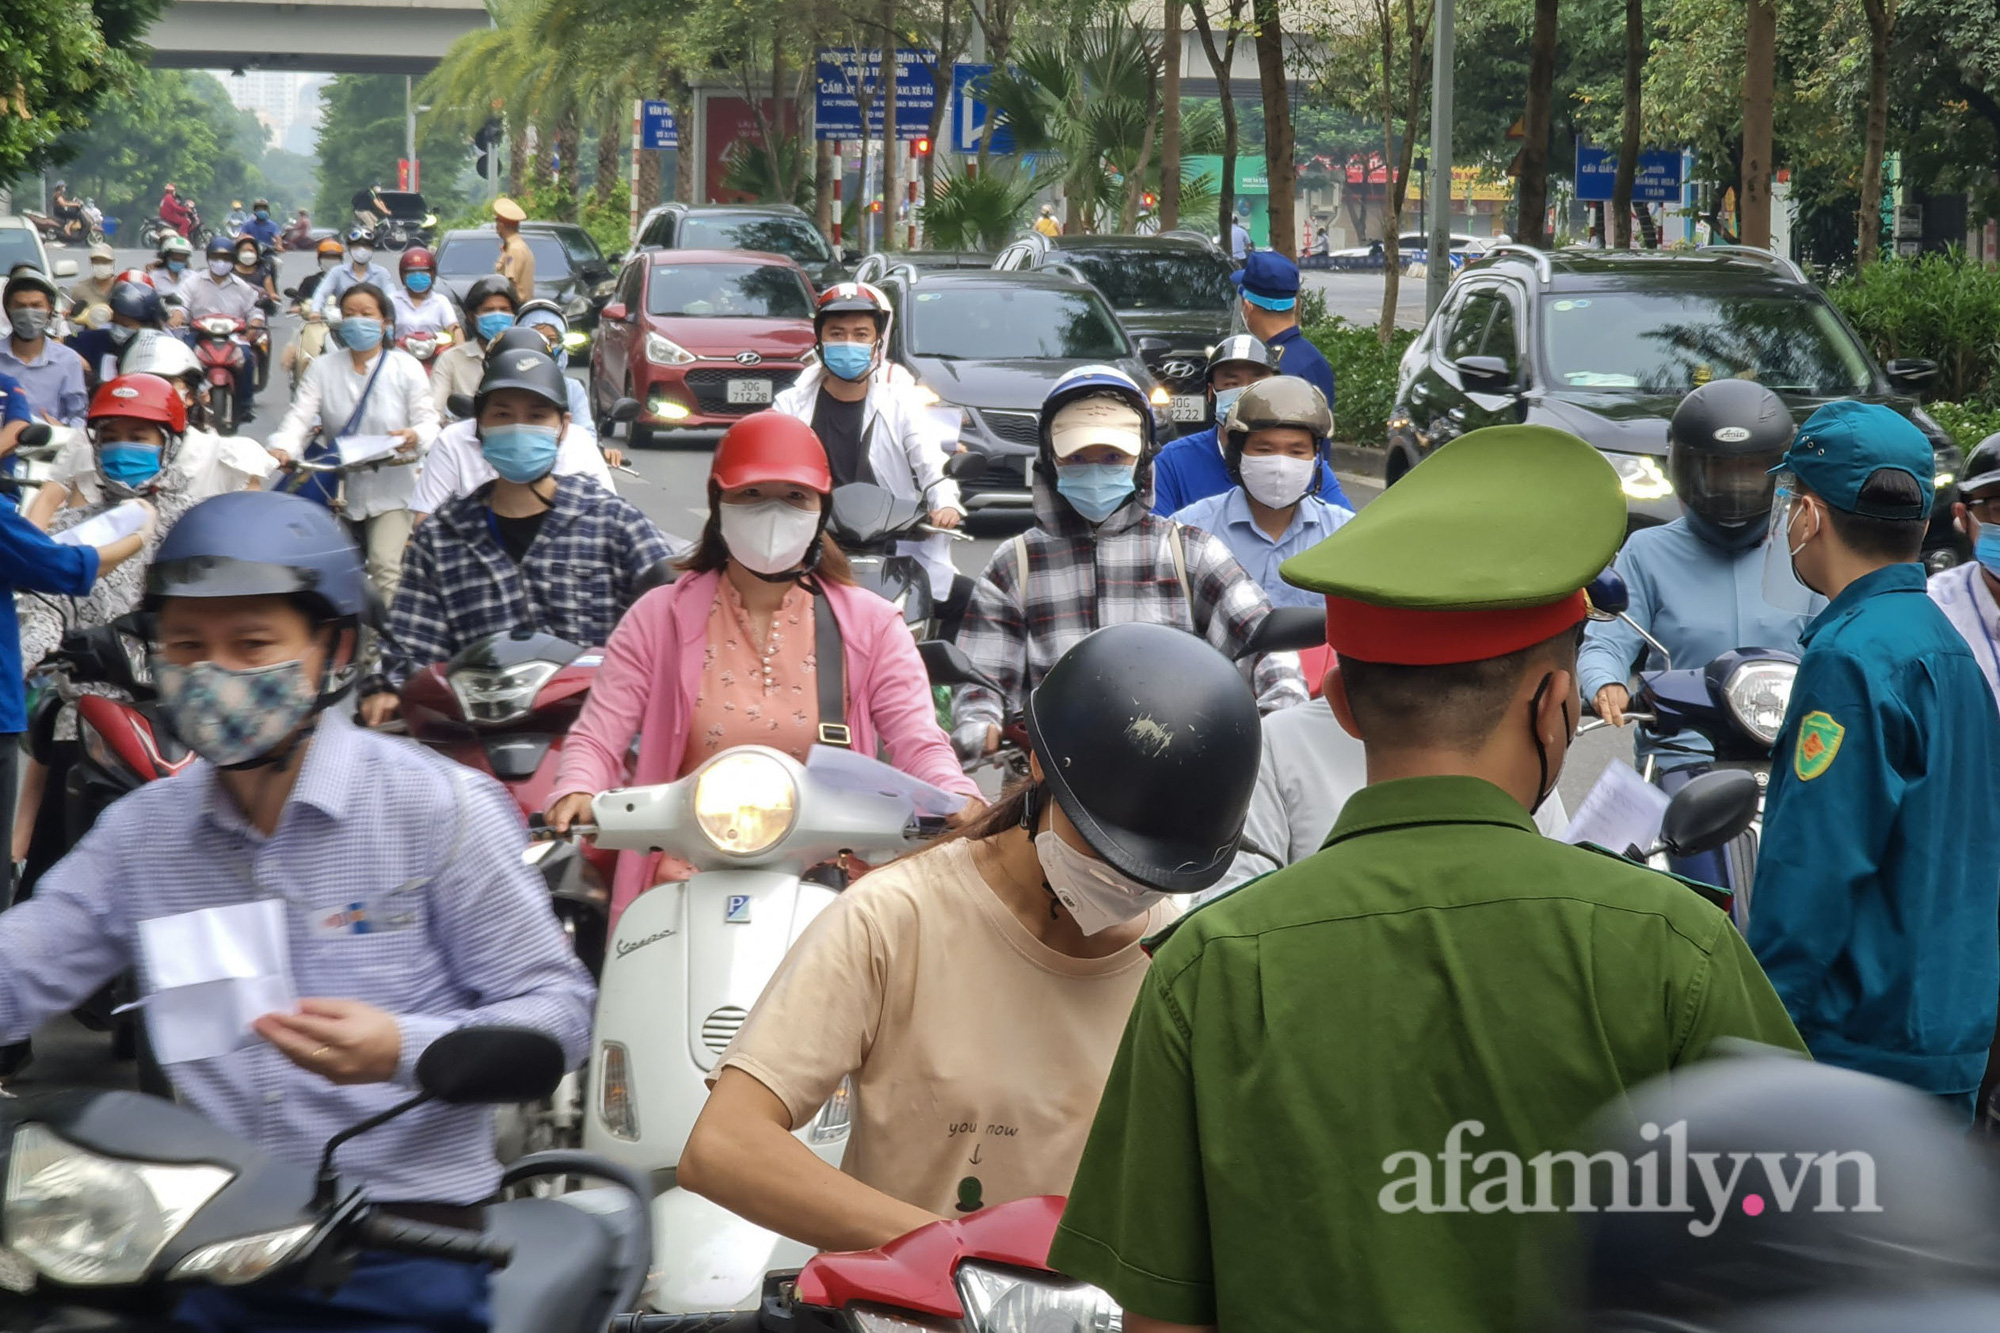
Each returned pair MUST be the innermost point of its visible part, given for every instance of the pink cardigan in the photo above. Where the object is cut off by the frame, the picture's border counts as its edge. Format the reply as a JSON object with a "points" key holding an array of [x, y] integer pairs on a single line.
{"points": [[647, 686]]}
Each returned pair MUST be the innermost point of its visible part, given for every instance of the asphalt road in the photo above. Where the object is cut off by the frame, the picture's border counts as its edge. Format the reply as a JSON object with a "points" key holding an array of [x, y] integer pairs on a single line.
{"points": [[671, 489]]}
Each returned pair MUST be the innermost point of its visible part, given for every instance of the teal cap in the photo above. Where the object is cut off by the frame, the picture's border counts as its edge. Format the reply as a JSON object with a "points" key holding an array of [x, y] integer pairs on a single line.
{"points": [[1843, 444]]}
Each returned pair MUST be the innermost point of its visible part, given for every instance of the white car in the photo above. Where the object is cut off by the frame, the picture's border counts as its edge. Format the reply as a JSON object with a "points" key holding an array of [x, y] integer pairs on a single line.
{"points": [[20, 243], [1413, 246]]}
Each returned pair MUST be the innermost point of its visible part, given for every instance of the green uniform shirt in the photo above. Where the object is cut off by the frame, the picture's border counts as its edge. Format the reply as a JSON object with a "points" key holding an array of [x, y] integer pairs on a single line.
{"points": [[1438, 962]]}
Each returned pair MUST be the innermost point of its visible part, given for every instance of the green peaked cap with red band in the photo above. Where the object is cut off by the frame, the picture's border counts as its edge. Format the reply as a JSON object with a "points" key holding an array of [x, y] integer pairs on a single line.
{"points": [[1481, 550]]}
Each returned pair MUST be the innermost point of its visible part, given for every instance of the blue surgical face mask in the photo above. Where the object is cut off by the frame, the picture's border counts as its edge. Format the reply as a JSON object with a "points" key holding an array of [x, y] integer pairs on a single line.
{"points": [[418, 283], [1095, 490], [360, 332], [520, 453], [494, 323], [128, 465], [263, 212], [1226, 399], [176, 265], [850, 361], [1987, 549]]}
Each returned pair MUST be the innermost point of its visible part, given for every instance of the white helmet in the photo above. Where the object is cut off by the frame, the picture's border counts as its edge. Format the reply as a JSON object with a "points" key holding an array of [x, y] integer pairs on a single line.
{"points": [[153, 352]]}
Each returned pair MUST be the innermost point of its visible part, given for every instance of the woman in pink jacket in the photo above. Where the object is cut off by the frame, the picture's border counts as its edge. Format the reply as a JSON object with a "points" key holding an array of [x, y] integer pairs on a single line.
{"points": [[724, 657]]}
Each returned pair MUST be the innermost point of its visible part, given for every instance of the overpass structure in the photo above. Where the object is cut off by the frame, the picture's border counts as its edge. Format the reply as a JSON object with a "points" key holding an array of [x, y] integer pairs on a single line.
{"points": [[345, 37]]}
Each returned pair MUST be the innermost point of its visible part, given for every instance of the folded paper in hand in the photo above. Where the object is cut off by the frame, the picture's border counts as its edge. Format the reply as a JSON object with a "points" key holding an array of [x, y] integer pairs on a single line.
{"points": [[1622, 810], [857, 772], [112, 525], [210, 974], [366, 448]]}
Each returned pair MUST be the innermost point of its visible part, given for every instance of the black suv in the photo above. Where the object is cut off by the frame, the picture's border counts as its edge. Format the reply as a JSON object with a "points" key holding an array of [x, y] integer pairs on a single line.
{"points": [[1172, 293], [1605, 344], [776, 229]]}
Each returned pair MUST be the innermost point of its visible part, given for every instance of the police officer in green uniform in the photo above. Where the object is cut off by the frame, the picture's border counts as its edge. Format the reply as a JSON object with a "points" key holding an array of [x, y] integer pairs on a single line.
{"points": [[1878, 883], [1338, 1081]]}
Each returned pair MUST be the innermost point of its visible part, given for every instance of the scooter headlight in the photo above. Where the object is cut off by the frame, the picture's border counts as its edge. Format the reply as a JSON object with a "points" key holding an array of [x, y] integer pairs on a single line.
{"points": [[1758, 693], [745, 802], [490, 698], [231, 1263], [87, 1220], [1008, 1300]]}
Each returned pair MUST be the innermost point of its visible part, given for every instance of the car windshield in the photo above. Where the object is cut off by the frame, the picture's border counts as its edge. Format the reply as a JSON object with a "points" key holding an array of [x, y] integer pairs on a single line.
{"points": [[794, 238], [17, 246], [577, 241], [474, 256], [1672, 342], [1156, 279], [993, 323], [757, 291]]}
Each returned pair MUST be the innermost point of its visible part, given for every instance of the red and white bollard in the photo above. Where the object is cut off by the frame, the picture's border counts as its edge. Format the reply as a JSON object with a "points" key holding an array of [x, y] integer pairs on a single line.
{"points": [[839, 175]]}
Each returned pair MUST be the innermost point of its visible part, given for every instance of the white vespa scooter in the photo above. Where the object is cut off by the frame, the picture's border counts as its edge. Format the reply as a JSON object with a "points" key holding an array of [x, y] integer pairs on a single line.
{"points": [[688, 960]]}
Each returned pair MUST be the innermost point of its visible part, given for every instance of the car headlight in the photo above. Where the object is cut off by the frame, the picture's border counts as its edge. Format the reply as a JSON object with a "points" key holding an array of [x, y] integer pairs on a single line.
{"points": [[1758, 693], [1945, 463], [576, 338], [430, 220], [1008, 1300], [668, 410], [926, 396], [1159, 397], [231, 1263], [745, 802], [490, 698], [1640, 477], [666, 352], [88, 1220]]}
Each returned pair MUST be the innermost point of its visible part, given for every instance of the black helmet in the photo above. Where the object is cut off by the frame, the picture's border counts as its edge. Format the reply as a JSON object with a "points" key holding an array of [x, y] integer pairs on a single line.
{"points": [[1721, 444], [533, 371], [1982, 466], [1809, 1233], [140, 301], [1149, 739], [518, 338], [260, 543], [488, 287]]}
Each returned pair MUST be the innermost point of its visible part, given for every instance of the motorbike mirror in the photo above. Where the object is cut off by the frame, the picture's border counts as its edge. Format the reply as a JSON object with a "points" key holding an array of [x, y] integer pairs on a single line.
{"points": [[491, 1066], [1708, 812], [1608, 595], [1484, 374], [946, 664], [291, 293], [625, 409], [965, 465], [35, 435], [1287, 629], [459, 405]]}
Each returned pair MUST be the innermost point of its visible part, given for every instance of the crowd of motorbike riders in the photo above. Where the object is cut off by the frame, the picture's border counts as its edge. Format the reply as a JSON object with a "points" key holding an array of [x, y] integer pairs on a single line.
{"points": [[1221, 1082]]}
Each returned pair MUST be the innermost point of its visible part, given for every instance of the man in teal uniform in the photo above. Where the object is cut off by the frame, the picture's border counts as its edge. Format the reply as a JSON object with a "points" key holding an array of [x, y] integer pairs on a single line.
{"points": [[1878, 884], [1338, 1081]]}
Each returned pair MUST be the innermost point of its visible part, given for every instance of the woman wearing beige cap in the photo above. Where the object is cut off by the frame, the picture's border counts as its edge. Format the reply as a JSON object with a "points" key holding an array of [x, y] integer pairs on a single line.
{"points": [[517, 261]]}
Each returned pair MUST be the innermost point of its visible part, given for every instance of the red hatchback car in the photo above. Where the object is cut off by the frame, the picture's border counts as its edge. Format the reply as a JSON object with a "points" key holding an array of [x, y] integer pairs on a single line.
{"points": [[701, 337]]}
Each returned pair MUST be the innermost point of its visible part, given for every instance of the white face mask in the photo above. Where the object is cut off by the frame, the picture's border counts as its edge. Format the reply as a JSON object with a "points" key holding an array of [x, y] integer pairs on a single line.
{"points": [[100, 269], [1277, 481], [768, 536], [360, 254], [1098, 896]]}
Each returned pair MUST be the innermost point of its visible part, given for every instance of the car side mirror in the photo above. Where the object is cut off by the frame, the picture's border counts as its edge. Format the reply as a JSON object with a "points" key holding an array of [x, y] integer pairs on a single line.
{"points": [[459, 405], [965, 465], [1152, 345], [1286, 629], [946, 664], [1911, 374], [1708, 812], [614, 311], [625, 410], [491, 1066], [1484, 374], [65, 268]]}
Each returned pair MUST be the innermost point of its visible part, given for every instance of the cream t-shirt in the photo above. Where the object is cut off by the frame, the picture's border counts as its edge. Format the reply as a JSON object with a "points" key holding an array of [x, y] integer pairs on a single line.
{"points": [[978, 1052]]}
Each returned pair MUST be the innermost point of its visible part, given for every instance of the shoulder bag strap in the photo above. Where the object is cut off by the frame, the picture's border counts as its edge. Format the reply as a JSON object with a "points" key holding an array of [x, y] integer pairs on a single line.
{"points": [[361, 404], [830, 674], [1178, 550]]}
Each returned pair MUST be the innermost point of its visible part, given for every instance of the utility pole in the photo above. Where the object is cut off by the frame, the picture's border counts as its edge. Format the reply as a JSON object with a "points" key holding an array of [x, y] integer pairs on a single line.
{"points": [[1438, 262], [410, 131]]}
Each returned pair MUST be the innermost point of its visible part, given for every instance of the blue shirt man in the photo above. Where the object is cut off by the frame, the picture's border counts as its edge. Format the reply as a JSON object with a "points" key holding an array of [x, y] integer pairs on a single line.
{"points": [[1191, 468], [1269, 283], [50, 373], [1228, 516], [262, 228], [1878, 883]]}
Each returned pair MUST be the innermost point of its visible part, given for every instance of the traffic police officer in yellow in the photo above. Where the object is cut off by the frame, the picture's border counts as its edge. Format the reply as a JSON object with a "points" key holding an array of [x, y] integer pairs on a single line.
{"points": [[1329, 1102]]}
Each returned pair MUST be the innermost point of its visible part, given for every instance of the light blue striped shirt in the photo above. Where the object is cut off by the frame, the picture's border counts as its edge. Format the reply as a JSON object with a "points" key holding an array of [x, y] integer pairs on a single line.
{"points": [[1228, 516], [456, 932]]}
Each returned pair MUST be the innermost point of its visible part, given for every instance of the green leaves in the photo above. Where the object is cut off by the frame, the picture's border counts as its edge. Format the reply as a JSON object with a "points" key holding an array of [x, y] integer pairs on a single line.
{"points": [[1943, 307], [59, 59]]}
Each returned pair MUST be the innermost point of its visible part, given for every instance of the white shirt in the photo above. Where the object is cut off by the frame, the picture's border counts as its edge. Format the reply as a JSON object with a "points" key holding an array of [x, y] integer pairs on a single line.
{"points": [[1967, 601], [433, 314], [209, 464], [454, 466], [401, 400], [1309, 768]]}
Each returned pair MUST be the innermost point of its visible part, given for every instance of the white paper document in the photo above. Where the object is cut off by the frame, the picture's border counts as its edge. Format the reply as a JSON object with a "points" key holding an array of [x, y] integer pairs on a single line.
{"points": [[366, 448], [857, 772], [211, 973], [1621, 811], [110, 526]]}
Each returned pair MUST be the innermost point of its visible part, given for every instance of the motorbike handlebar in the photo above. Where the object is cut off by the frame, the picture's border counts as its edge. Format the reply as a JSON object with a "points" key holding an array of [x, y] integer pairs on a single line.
{"points": [[718, 1321], [383, 1232]]}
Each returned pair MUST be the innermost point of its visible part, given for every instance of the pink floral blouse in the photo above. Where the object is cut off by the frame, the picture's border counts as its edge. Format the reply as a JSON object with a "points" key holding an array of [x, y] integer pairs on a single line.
{"points": [[755, 693]]}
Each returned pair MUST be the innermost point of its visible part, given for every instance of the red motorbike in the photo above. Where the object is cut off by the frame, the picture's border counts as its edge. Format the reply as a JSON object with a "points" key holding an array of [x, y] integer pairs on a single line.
{"points": [[424, 344], [987, 1273], [504, 706], [222, 346]]}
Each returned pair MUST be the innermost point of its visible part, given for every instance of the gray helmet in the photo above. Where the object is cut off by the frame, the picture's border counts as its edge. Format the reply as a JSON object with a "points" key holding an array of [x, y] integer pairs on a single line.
{"points": [[1236, 347], [532, 372], [257, 543], [1282, 400]]}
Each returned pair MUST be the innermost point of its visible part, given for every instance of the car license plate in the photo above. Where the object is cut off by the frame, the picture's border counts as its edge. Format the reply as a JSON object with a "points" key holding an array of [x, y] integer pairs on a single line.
{"points": [[749, 391], [1188, 407]]}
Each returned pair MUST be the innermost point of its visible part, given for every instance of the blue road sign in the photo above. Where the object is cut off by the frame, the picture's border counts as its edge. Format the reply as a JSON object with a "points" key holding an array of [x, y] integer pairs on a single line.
{"points": [[656, 126], [969, 112], [1657, 182], [845, 77]]}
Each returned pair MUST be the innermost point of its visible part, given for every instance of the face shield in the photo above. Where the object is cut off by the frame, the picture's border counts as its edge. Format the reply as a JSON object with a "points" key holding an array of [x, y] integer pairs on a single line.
{"points": [[1726, 489]]}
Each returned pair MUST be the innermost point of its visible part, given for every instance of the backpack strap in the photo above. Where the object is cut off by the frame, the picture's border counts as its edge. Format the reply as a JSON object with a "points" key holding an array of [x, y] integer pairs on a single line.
{"points": [[1176, 546], [1020, 545]]}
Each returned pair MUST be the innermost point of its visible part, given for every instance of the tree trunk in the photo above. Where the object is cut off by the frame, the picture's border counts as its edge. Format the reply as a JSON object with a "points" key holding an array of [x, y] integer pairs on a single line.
{"points": [[1135, 180], [649, 179], [892, 176], [569, 154], [1881, 28], [1759, 83], [1219, 63], [1170, 130], [1628, 142], [613, 137], [1279, 169], [1531, 228], [517, 157]]}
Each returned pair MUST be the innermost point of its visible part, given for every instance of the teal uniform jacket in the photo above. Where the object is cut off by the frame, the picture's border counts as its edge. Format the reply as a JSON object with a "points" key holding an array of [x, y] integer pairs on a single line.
{"points": [[1876, 910]]}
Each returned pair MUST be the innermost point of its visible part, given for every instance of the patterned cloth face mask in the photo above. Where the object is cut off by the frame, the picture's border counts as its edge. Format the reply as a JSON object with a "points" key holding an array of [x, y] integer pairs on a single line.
{"points": [[234, 717]]}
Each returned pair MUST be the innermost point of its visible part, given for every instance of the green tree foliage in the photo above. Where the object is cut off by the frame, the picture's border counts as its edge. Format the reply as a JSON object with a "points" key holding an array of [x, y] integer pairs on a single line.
{"points": [[361, 137], [59, 60]]}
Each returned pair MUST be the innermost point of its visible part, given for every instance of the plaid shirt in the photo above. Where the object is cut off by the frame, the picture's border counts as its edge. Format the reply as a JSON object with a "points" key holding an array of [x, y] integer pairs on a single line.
{"points": [[578, 578], [1080, 579]]}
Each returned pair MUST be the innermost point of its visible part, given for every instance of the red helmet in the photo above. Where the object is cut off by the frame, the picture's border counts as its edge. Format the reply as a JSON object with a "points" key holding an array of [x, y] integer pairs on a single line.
{"points": [[853, 298], [416, 257], [770, 446], [141, 398]]}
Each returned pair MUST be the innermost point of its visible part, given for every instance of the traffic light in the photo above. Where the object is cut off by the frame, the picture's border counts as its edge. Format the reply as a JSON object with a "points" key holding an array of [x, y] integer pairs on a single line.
{"points": [[923, 147], [485, 141]]}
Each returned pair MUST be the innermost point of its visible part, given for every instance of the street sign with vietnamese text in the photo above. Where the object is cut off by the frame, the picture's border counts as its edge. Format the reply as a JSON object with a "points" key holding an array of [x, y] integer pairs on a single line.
{"points": [[847, 78], [656, 126], [1658, 180]]}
